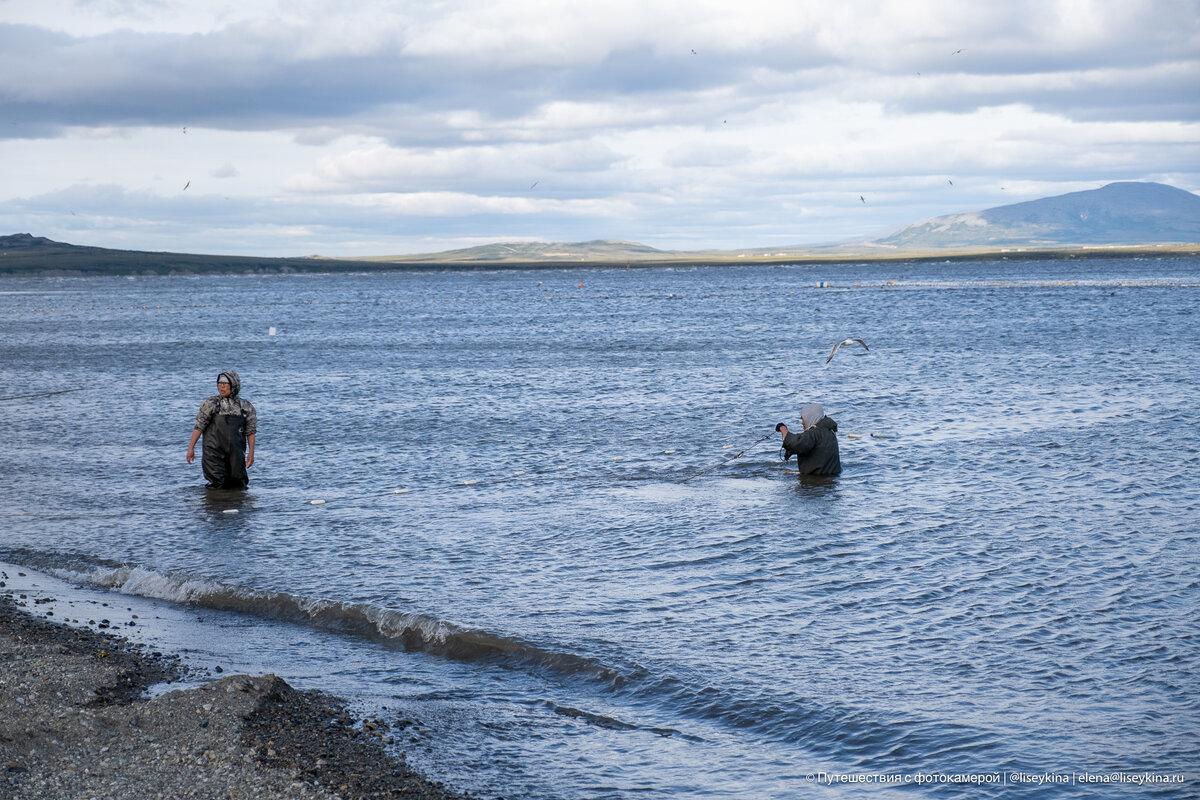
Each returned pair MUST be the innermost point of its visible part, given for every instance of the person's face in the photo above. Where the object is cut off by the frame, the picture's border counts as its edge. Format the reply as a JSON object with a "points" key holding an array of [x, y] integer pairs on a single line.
{"points": [[223, 388], [783, 431]]}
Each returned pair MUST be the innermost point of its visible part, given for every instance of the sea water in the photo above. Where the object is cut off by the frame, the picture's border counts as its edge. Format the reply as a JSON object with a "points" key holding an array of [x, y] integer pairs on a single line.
{"points": [[576, 593]]}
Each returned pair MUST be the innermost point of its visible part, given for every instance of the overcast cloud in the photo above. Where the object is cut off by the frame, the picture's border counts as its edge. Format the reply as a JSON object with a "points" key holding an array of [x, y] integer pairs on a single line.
{"points": [[408, 127]]}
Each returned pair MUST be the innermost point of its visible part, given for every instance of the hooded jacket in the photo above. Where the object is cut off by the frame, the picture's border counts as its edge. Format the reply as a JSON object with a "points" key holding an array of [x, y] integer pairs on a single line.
{"points": [[816, 449], [233, 404]]}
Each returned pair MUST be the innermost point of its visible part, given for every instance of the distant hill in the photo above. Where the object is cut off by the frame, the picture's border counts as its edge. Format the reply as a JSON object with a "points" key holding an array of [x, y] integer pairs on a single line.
{"points": [[1096, 222], [1119, 213], [525, 252]]}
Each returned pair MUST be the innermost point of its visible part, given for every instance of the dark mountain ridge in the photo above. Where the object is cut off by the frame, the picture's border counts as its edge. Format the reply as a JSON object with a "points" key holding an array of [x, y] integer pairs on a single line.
{"points": [[1119, 213]]}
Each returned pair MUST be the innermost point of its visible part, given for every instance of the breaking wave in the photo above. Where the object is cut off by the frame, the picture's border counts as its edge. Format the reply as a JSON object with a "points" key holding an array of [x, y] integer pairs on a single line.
{"points": [[825, 727], [412, 631]]}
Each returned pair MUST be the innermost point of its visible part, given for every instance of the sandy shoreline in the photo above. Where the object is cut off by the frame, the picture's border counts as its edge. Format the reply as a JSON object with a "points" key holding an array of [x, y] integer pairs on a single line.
{"points": [[74, 724]]}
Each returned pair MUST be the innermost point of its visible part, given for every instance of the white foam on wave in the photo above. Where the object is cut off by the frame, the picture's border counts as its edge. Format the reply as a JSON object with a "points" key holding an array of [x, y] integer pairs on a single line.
{"points": [[387, 623], [412, 631], [144, 583]]}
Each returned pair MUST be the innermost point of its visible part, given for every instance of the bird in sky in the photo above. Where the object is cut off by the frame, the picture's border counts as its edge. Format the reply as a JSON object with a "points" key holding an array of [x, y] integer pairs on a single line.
{"points": [[535, 183], [189, 183], [693, 52], [845, 342], [949, 181], [959, 50], [185, 130], [864, 200]]}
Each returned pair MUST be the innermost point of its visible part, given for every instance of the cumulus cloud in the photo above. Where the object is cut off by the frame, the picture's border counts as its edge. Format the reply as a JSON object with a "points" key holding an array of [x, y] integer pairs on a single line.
{"points": [[676, 123], [482, 168], [515, 59]]}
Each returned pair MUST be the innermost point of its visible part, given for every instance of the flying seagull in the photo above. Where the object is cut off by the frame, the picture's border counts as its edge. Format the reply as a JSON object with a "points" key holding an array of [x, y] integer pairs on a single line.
{"points": [[959, 50], [535, 183], [693, 52], [949, 181], [833, 352], [189, 183], [864, 200], [185, 129]]}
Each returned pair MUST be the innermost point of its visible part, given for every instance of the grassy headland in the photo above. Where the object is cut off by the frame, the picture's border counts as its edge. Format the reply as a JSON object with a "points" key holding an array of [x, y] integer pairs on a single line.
{"points": [[23, 254]]}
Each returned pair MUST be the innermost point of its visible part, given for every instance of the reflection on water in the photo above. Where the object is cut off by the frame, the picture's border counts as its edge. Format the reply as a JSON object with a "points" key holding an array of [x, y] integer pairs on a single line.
{"points": [[816, 485], [229, 502], [1001, 578]]}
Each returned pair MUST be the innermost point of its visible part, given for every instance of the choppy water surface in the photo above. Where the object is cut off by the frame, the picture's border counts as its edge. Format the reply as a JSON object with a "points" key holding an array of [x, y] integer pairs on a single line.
{"points": [[1005, 577]]}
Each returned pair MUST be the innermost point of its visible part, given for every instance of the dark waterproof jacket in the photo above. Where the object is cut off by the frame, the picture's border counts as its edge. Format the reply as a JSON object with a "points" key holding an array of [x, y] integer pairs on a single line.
{"points": [[816, 449]]}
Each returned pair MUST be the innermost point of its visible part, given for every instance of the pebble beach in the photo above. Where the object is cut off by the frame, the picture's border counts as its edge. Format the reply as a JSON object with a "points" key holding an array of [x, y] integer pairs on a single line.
{"points": [[76, 721]]}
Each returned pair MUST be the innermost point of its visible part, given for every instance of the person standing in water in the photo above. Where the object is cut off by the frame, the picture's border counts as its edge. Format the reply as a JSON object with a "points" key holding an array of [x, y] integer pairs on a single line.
{"points": [[816, 449], [228, 424]]}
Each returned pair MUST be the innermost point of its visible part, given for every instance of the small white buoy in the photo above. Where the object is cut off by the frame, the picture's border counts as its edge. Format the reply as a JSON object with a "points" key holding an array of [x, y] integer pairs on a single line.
{"points": [[401, 490], [469, 482], [316, 502], [271, 331], [668, 452], [230, 511], [615, 458]]}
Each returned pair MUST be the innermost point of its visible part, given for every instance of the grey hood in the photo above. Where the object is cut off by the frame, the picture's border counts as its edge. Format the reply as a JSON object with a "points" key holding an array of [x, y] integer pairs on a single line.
{"points": [[235, 382], [811, 414]]}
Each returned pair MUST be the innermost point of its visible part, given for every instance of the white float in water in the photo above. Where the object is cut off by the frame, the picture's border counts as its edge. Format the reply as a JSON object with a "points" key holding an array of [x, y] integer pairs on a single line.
{"points": [[469, 482], [230, 511], [271, 331], [316, 502], [401, 491]]}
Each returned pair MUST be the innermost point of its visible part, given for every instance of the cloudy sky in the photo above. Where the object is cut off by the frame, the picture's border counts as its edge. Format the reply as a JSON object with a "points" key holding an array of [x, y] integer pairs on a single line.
{"points": [[299, 127]]}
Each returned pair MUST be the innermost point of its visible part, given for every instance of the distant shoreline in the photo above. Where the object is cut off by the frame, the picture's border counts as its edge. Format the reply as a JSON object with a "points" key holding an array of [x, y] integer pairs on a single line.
{"points": [[97, 262]]}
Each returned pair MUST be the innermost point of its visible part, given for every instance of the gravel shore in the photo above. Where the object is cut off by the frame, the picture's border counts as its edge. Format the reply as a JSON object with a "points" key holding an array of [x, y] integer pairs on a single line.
{"points": [[74, 724]]}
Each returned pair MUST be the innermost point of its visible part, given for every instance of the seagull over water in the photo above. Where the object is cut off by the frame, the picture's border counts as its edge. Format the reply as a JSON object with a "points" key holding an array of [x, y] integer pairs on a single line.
{"points": [[959, 50], [864, 200], [189, 183], [535, 183], [845, 342]]}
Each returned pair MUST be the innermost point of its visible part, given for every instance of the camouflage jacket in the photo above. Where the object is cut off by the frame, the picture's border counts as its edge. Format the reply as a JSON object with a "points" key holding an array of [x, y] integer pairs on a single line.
{"points": [[227, 405]]}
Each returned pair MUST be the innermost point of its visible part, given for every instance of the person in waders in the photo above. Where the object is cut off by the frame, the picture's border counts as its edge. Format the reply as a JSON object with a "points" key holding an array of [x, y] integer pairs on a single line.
{"points": [[228, 424], [816, 449]]}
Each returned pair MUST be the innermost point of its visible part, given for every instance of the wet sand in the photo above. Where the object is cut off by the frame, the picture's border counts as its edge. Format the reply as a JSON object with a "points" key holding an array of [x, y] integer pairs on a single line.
{"points": [[74, 723]]}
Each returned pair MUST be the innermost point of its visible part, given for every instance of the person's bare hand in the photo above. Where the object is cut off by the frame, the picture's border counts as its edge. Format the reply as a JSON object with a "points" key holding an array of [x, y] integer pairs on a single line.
{"points": [[191, 455], [249, 460]]}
